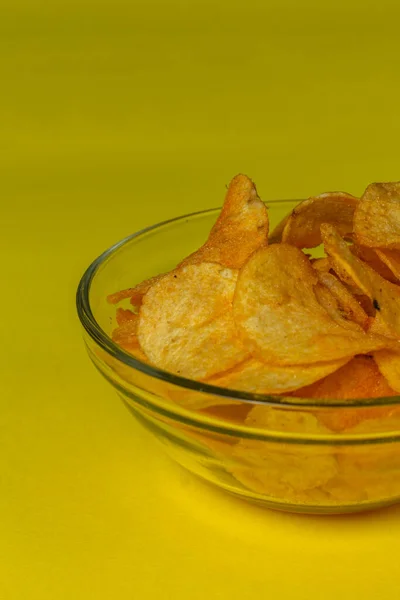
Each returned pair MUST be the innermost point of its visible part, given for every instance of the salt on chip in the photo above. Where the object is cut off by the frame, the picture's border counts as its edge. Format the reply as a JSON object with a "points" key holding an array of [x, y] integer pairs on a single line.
{"points": [[377, 216], [256, 377], [279, 317], [385, 296], [186, 324], [303, 227], [241, 228]]}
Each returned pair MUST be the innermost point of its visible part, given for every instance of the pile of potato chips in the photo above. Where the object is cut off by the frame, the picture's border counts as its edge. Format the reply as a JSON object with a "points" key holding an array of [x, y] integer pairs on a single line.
{"points": [[253, 312]]}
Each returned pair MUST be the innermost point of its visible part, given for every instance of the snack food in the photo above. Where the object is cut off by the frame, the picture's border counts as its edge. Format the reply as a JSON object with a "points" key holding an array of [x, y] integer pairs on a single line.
{"points": [[247, 314], [256, 313]]}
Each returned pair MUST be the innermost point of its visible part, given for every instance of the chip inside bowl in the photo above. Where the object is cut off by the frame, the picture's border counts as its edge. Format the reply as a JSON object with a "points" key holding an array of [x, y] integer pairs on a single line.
{"points": [[249, 316]]}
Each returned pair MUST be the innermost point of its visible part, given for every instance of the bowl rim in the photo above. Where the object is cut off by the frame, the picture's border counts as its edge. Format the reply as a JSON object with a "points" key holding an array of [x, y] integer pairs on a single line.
{"points": [[100, 337]]}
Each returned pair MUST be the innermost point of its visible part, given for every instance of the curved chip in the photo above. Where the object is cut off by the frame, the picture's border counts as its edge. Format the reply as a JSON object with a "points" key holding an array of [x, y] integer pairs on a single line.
{"points": [[374, 260], [303, 227], [241, 228], [385, 296], [350, 307], [389, 365], [279, 317], [377, 216], [283, 472], [186, 324], [256, 377], [391, 258]]}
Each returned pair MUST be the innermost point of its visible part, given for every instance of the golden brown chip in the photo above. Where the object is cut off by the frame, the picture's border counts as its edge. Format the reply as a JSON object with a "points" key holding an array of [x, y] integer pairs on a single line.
{"points": [[377, 216], [186, 324], [276, 236], [135, 294], [373, 259], [241, 228], [385, 296], [359, 378], [391, 258], [126, 335], [350, 307], [328, 301], [389, 365], [257, 377], [283, 472], [124, 315], [279, 317], [303, 227], [321, 264]]}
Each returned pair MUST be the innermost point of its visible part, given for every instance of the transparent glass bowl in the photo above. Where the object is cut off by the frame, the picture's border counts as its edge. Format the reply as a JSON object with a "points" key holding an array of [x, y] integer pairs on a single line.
{"points": [[283, 460]]}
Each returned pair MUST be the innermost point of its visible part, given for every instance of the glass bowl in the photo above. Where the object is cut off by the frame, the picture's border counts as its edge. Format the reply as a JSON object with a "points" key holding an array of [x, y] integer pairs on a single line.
{"points": [[281, 456]]}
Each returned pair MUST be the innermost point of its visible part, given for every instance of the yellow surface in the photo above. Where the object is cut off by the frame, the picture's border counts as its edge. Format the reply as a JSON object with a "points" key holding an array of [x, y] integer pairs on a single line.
{"points": [[115, 114]]}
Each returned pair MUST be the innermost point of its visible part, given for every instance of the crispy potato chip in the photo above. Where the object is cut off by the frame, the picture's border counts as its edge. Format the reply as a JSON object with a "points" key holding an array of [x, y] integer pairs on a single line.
{"points": [[321, 264], [135, 294], [303, 227], [259, 378], [372, 258], [359, 378], [388, 363], [328, 301], [350, 307], [279, 317], [391, 258], [377, 326], [385, 296], [186, 324], [126, 336], [284, 472], [276, 236], [377, 216], [124, 315], [241, 228]]}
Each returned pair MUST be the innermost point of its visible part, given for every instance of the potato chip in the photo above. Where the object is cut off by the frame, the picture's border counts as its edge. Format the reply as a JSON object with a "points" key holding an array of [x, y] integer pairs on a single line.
{"points": [[388, 363], [124, 315], [385, 296], [279, 317], [241, 228], [135, 294], [359, 378], [372, 258], [276, 236], [328, 301], [186, 324], [321, 264], [303, 227], [259, 378], [350, 307], [391, 258], [285, 472], [377, 216], [126, 335]]}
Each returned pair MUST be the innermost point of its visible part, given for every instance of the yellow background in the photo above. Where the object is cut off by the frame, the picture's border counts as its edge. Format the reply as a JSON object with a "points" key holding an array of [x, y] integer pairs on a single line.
{"points": [[116, 114]]}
